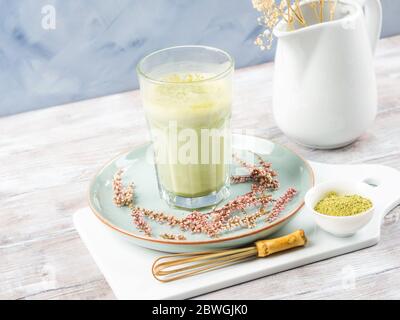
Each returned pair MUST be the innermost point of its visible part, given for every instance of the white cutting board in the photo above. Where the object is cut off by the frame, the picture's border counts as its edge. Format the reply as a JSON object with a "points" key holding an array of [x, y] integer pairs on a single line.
{"points": [[127, 268]]}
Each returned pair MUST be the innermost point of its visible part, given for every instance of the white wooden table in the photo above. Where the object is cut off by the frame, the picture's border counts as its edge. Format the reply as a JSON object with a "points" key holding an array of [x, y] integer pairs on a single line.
{"points": [[47, 158]]}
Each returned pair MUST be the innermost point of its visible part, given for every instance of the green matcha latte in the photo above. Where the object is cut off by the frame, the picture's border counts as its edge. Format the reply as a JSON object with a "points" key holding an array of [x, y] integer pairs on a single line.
{"points": [[189, 121], [187, 95]]}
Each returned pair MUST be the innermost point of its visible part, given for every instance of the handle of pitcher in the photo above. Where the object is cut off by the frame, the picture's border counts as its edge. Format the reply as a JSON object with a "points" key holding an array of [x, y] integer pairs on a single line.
{"points": [[373, 20]]}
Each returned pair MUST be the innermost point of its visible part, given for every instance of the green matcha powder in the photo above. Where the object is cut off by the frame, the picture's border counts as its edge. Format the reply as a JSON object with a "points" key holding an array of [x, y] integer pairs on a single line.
{"points": [[333, 204]]}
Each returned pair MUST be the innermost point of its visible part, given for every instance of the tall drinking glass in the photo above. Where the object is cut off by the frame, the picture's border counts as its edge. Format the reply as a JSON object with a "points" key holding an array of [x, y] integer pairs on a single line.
{"points": [[187, 95]]}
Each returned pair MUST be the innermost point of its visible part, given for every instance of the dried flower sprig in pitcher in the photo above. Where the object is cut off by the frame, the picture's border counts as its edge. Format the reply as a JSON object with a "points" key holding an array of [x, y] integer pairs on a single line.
{"points": [[263, 179], [273, 11]]}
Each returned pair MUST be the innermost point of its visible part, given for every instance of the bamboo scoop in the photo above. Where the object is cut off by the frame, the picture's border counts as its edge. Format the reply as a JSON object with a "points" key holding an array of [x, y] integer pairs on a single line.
{"points": [[183, 265]]}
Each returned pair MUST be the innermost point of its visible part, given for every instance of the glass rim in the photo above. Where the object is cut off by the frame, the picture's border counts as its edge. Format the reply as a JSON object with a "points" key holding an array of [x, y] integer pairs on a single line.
{"points": [[221, 74]]}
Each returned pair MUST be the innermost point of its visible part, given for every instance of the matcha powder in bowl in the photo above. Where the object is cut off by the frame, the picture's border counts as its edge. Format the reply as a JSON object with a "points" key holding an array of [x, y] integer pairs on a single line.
{"points": [[333, 204]]}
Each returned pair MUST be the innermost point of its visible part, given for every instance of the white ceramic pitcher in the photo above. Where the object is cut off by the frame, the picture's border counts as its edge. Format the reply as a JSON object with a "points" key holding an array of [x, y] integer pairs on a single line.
{"points": [[325, 93]]}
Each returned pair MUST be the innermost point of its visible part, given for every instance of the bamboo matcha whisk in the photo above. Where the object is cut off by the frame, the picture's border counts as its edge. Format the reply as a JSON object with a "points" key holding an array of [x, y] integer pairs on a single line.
{"points": [[183, 265]]}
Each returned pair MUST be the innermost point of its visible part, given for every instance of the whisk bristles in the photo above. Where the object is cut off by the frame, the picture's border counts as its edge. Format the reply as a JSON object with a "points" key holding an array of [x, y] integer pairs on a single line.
{"points": [[164, 271], [183, 265]]}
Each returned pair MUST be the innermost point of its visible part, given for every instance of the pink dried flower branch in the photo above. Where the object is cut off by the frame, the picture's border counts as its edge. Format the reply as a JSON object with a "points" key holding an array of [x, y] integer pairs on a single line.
{"points": [[281, 203], [138, 220], [123, 196], [263, 176], [170, 236], [248, 220], [220, 219], [216, 221]]}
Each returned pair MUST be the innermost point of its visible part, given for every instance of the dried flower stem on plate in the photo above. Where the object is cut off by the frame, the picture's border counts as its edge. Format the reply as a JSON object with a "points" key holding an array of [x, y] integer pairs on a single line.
{"points": [[169, 236], [123, 196], [141, 224], [281, 203], [263, 177], [218, 220]]}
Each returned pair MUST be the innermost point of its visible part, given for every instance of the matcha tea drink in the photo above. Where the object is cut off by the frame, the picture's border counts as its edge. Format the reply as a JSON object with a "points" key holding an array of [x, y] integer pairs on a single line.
{"points": [[189, 121], [187, 100]]}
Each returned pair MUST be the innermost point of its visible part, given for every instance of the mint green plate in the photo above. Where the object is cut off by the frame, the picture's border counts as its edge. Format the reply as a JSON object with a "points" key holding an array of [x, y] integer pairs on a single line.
{"points": [[293, 171]]}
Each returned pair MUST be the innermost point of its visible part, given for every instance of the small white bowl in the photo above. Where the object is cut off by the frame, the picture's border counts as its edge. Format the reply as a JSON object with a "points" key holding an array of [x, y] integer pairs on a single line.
{"points": [[340, 226]]}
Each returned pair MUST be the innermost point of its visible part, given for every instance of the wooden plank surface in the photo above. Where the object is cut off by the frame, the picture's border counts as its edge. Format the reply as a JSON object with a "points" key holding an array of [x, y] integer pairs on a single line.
{"points": [[47, 158]]}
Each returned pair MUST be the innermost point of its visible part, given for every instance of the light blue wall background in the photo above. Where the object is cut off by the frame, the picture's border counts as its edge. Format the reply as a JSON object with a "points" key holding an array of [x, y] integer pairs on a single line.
{"points": [[97, 43]]}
